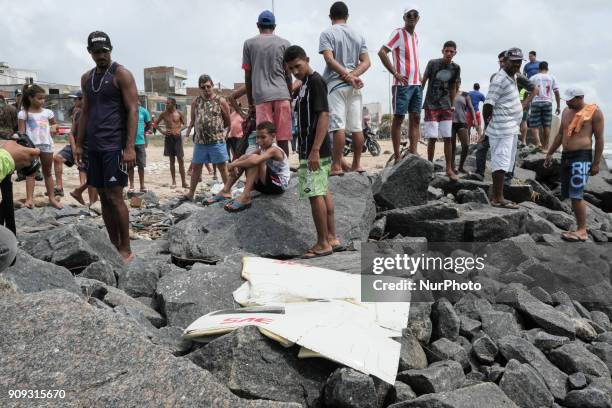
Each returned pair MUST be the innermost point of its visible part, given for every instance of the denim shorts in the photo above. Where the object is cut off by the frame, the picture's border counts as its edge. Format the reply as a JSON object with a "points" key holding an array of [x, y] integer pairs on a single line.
{"points": [[407, 99], [210, 153]]}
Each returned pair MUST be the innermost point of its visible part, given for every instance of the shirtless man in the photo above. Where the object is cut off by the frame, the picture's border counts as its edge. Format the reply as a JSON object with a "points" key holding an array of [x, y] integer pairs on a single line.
{"points": [[579, 123], [173, 143]]}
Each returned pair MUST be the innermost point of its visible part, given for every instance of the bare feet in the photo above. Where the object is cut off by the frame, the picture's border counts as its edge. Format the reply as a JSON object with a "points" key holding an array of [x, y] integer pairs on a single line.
{"points": [[56, 204], [77, 196], [127, 257], [185, 185], [28, 204], [358, 169], [451, 175]]}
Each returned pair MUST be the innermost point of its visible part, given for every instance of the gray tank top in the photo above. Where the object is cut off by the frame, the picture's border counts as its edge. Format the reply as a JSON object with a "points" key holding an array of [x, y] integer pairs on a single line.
{"points": [[460, 108], [279, 170]]}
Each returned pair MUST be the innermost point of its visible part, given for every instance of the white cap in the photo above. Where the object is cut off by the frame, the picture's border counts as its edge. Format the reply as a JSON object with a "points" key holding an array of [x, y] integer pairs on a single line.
{"points": [[411, 7], [572, 92]]}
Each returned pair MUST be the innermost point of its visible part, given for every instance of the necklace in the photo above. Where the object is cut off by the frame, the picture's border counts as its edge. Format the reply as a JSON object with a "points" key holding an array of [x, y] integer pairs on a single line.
{"points": [[101, 79]]}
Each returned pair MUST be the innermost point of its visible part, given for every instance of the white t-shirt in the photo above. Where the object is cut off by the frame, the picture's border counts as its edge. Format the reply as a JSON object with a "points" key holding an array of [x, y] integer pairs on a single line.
{"points": [[503, 95], [547, 84], [38, 127]]}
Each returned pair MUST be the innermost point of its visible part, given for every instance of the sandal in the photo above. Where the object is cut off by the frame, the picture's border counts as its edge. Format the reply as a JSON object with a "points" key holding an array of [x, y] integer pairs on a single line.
{"points": [[339, 248], [236, 206], [310, 254], [215, 199]]}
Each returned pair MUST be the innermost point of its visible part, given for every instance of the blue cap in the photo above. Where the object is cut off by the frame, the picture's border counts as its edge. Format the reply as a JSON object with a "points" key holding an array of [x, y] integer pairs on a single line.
{"points": [[266, 18]]}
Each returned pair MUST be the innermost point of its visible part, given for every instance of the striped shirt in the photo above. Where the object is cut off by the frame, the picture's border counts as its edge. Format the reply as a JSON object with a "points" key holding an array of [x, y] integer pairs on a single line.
{"points": [[507, 109], [404, 47]]}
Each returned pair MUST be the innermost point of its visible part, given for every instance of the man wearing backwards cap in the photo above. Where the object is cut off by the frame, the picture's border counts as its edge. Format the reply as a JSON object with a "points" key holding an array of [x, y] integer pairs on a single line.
{"points": [[502, 114], [268, 81], [109, 119], [407, 91], [579, 123]]}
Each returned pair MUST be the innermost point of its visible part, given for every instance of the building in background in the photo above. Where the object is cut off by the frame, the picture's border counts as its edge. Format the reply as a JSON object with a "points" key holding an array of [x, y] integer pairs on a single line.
{"points": [[9, 76], [375, 109], [165, 80]]}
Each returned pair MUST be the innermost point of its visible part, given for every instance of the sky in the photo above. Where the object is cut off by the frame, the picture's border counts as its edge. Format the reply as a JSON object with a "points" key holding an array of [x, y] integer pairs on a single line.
{"points": [[206, 36]]}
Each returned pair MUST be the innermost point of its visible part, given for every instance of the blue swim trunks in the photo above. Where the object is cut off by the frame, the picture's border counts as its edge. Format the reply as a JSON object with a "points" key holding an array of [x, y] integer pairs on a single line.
{"points": [[210, 153], [575, 168]]}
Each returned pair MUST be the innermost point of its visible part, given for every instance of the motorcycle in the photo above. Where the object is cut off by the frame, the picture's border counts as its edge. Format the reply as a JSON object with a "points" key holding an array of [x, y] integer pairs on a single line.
{"points": [[369, 143]]}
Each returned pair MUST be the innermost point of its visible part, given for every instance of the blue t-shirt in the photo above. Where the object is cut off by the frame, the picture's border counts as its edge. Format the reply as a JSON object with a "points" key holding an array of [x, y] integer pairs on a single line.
{"points": [[143, 117], [476, 97], [531, 68]]}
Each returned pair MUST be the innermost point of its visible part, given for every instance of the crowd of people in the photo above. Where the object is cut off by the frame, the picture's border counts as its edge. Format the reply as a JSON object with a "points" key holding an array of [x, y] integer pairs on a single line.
{"points": [[108, 140]]}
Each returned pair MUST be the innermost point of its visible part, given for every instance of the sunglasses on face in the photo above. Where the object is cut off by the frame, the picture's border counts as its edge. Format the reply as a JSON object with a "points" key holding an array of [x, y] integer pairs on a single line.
{"points": [[412, 14]]}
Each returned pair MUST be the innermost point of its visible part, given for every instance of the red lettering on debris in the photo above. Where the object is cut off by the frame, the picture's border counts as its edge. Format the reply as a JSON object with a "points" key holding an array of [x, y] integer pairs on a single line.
{"points": [[262, 320]]}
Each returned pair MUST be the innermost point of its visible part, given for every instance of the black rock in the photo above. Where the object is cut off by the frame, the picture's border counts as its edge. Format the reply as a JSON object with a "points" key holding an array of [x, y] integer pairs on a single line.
{"points": [[484, 349], [493, 373], [499, 324], [577, 381], [588, 398], [412, 355], [601, 319], [400, 392], [445, 321], [29, 275], [347, 388], [444, 349], [141, 276], [102, 271], [211, 233], [605, 337], [603, 351], [574, 357], [546, 342], [540, 313], [524, 386], [185, 296], [404, 184], [518, 192], [513, 347], [541, 294], [255, 367], [472, 306], [472, 196], [453, 187], [72, 246], [54, 340], [377, 231], [439, 376], [480, 395], [419, 321], [469, 327]]}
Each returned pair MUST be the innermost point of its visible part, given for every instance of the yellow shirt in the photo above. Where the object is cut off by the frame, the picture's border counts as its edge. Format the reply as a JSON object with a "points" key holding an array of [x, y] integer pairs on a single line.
{"points": [[7, 164]]}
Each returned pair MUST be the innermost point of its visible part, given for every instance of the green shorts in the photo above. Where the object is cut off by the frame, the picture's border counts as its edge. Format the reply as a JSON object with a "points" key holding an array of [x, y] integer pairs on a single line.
{"points": [[314, 183]]}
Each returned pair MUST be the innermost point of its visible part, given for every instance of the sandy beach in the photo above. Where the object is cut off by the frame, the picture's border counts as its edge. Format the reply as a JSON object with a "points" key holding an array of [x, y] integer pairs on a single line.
{"points": [[157, 172]]}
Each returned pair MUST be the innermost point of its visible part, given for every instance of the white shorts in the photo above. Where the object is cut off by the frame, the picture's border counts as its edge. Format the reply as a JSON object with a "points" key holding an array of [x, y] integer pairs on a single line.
{"points": [[345, 109], [437, 130], [503, 152], [45, 148]]}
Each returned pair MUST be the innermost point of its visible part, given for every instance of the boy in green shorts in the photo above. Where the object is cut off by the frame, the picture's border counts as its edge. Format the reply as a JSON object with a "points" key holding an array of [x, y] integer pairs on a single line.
{"points": [[314, 151]]}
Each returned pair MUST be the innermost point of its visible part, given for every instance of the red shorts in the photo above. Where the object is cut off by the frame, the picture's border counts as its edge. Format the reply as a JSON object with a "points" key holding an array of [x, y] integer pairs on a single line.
{"points": [[277, 112], [470, 120]]}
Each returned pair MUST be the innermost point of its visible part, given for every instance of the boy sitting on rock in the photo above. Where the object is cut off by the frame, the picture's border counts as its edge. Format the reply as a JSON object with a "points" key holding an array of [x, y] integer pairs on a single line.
{"points": [[267, 171]]}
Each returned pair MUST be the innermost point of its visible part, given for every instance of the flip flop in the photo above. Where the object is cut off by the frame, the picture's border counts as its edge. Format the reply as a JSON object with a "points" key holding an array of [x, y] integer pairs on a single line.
{"points": [[571, 236], [334, 174], [509, 205], [144, 190], [339, 248], [30, 206], [235, 206], [215, 199], [315, 254]]}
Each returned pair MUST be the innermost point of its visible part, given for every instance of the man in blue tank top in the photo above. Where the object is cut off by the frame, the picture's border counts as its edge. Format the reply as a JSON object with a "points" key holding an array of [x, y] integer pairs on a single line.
{"points": [[108, 125]]}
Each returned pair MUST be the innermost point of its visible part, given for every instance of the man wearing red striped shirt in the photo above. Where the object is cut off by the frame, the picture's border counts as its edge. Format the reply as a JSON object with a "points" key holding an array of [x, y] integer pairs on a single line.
{"points": [[407, 90]]}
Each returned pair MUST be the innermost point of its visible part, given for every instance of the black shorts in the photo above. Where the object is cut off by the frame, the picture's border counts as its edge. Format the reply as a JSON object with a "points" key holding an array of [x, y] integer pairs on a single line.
{"points": [[575, 168], [141, 156], [104, 170], [173, 146], [269, 187], [458, 126]]}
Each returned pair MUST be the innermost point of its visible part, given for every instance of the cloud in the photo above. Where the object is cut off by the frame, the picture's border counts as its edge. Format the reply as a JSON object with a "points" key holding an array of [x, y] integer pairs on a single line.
{"points": [[207, 36]]}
